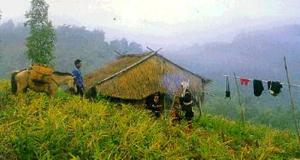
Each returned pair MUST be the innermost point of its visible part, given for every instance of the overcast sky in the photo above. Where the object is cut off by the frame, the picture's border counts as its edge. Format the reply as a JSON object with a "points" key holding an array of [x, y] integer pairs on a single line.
{"points": [[164, 22]]}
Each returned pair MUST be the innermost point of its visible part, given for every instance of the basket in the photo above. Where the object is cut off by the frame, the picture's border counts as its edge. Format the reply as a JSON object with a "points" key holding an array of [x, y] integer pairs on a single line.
{"points": [[42, 69]]}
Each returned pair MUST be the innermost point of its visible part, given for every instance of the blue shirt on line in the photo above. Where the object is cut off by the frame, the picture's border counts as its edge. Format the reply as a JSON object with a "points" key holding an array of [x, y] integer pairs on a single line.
{"points": [[77, 74]]}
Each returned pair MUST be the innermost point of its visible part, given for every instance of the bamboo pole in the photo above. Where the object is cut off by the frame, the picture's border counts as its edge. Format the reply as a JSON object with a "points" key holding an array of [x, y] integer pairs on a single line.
{"points": [[118, 53], [127, 68], [239, 99], [200, 103], [201, 98], [292, 101]]}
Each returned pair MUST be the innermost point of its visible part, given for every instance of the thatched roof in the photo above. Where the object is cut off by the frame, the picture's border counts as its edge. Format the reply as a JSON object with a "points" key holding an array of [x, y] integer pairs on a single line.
{"points": [[140, 75]]}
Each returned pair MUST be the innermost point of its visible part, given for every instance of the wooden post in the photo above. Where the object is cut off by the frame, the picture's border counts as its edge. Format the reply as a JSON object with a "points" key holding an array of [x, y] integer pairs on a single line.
{"points": [[200, 98], [197, 103], [200, 106], [292, 101], [165, 107], [239, 99]]}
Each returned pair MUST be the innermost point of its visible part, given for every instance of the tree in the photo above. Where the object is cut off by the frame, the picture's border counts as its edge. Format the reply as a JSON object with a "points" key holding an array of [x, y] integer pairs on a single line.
{"points": [[0, 41], [135, 47], [40, 42]]}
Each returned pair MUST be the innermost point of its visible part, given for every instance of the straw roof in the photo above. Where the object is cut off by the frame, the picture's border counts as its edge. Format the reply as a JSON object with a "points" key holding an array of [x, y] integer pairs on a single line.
{"points": [[140, 75]]}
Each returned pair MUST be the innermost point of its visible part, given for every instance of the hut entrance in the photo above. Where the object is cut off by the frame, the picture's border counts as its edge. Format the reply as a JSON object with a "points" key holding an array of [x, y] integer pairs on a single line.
{"points": [[150, 100], [164, 99]]}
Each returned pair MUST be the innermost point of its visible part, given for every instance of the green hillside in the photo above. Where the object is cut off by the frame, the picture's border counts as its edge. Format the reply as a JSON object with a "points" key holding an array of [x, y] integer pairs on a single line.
{"points": [[34, 126]]}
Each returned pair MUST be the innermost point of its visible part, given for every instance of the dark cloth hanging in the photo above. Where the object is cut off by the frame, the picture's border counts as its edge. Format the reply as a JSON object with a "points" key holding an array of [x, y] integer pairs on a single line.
{"points": [[257, 87], [244, 81], [227, 91], [274, 87]]}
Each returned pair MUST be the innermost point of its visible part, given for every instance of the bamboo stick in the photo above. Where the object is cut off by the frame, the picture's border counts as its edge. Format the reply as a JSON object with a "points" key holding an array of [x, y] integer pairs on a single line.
{"points": [[239, 99], [292, 101], [127, 68]]}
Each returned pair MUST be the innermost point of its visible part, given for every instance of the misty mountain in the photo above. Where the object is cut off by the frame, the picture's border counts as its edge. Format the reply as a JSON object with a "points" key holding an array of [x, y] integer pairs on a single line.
{"points": [[257, 54], [72, 42]]}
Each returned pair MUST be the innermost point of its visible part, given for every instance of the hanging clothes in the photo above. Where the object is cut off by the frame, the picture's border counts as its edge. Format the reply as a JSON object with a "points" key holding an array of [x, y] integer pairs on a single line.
{"points": [[244, 81], [274, 87], [227, 91], [258, 87]]}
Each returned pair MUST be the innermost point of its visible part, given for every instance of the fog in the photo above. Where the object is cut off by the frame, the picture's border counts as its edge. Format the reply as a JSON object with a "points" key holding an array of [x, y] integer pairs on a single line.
{"points": [[164, 24]]}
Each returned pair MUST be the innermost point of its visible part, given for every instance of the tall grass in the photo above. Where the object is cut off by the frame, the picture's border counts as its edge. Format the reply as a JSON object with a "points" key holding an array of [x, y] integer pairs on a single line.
{"points": [[34, 126]]}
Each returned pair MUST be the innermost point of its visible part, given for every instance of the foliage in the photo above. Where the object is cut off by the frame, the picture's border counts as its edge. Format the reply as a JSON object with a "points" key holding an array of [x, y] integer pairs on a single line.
{"points": [[123, 47], [72, 42], [40, 42], [34, 126]]}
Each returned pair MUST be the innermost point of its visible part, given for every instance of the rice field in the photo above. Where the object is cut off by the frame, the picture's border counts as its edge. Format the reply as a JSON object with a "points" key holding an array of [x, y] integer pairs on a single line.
{"points": [[34, 126]]}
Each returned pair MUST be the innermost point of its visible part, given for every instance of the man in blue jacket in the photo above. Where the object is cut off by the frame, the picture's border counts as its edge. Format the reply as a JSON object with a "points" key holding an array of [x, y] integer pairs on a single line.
{"points": [[78, 77]]}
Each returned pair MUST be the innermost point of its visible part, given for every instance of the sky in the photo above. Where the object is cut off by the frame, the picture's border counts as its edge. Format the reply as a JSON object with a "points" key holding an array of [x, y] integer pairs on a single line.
{"points": [[164, 22]]}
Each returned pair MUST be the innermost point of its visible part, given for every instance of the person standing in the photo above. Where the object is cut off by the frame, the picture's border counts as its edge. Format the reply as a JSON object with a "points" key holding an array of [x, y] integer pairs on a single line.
{"points": [[183, 106], [187, 106], [78, 77], [186, 101]]}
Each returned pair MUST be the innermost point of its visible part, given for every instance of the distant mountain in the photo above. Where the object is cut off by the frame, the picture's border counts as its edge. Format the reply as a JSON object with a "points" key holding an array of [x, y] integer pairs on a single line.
{"points": [[257, 54], [72, 42]]}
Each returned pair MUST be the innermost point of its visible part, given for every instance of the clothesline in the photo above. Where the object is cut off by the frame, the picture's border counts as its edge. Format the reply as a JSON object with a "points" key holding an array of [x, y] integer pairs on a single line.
{"points": [[266, 81]]}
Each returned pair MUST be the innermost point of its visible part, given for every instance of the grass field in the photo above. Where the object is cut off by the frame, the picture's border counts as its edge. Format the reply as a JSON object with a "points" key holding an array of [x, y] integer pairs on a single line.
{"points": [[34, 126]]}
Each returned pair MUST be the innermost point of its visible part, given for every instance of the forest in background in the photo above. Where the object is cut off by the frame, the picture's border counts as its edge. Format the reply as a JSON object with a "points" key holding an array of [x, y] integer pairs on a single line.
{"points": [[72, 42], [92, 47], [36, 126], [256, 55]]}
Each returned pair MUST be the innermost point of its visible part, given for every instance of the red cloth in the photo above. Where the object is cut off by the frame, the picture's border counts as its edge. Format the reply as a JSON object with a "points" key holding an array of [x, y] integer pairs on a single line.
{"points": [[244, 81]]}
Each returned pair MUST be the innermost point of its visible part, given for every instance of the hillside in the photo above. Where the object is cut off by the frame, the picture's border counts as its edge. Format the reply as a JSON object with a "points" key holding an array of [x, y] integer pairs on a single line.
{"points": [[72, 42], [257, 54], [34, 126]]}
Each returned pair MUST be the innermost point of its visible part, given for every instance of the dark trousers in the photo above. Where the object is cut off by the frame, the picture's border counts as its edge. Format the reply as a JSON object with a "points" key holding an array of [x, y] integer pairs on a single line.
{"points": [[189, 114], [156, 113], [79, 91]]}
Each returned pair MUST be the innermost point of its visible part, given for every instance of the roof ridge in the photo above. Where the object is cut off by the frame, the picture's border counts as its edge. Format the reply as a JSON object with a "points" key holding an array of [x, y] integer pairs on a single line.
{"points": [[134, 55]]}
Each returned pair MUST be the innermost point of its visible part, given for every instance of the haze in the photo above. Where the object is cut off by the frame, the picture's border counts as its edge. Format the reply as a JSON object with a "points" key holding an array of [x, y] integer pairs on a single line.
{"points": [[167, 23]]}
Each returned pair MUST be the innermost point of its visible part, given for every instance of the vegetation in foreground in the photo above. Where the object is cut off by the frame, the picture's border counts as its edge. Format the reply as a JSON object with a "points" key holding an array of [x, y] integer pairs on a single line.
{"points": [[34, 126]]}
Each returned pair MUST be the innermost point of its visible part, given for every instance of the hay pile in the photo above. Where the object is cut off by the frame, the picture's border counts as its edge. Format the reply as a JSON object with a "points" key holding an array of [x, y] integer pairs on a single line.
{"points": [[42, 69]]}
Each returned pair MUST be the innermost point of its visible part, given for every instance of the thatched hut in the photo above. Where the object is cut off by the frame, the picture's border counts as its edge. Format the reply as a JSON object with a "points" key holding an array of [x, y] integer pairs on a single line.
{"points": [[137, 76]]}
